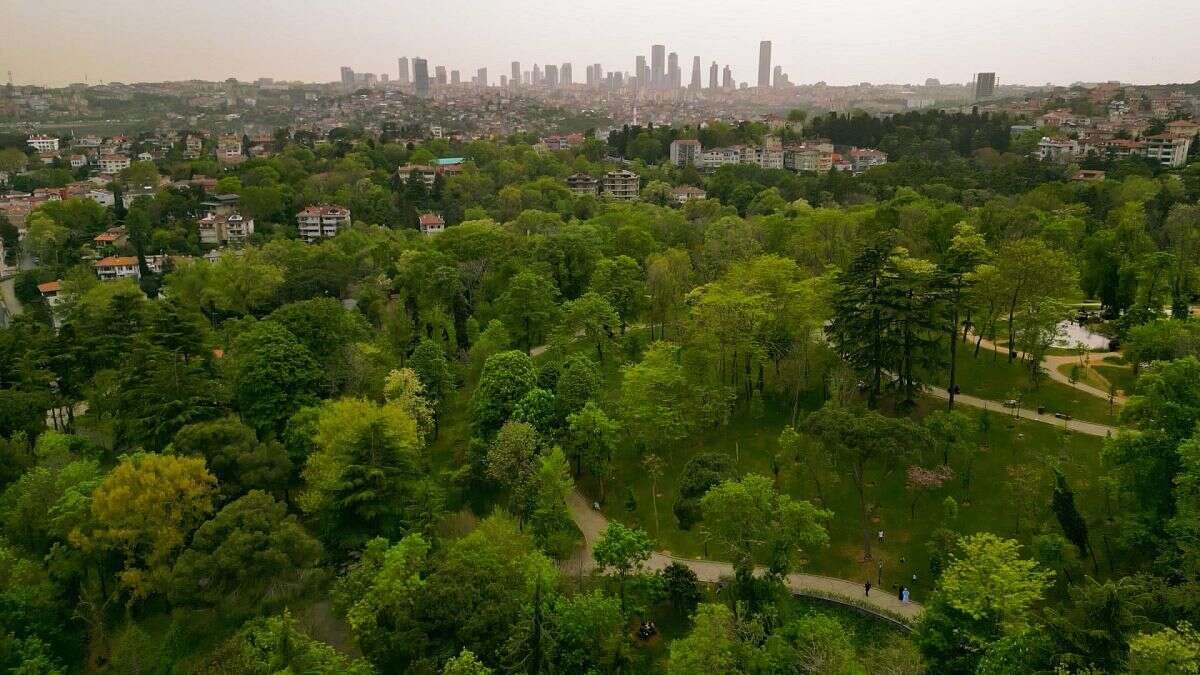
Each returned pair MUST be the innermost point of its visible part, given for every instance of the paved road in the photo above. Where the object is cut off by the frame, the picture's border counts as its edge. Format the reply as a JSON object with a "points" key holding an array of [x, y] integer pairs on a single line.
{"points": [[592, 522], [1090, 428]]}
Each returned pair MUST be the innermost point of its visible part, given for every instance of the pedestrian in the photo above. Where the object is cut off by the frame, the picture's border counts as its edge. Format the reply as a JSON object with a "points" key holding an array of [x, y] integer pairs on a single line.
{"points": [[914, 578], [881, 536], [904, 597], [903, 590], [867, 586]]}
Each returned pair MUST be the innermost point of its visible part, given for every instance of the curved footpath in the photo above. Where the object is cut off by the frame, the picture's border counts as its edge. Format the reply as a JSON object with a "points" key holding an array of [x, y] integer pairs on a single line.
{"points": [[881, 603]]}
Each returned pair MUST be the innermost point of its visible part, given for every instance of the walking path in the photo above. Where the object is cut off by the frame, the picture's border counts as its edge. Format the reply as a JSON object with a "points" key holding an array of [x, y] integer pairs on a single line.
{"points": [[1090, 428], [884, 605], [1051, 363]]}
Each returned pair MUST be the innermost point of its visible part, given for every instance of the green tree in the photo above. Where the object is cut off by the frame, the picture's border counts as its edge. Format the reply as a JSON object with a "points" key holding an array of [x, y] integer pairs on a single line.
{"points": [[251, 552], [235, 456], [760, 526], [512, 462], [619, 280], [278, 644], [592, 317], [505, 380], [275, 376], [593, 440], [624, 551], [1170, 651], [530, 305], [986, 593], [862, 442]]}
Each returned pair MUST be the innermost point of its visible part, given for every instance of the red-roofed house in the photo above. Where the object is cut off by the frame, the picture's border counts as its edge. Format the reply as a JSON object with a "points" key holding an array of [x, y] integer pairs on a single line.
{"points": [[431, 223]]}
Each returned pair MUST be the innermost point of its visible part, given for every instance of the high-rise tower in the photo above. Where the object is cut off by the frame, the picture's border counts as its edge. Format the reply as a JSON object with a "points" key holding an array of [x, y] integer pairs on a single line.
{"points": [[764, 63], [421, 76], [404, 71], [712, 76], [515, 78], [658, 66], [695, 85]]}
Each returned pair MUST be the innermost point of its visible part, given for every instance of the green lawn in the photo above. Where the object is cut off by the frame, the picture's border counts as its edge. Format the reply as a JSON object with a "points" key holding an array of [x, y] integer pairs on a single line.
{"points": [[992, 377], [986, 505], [1122, 376]]}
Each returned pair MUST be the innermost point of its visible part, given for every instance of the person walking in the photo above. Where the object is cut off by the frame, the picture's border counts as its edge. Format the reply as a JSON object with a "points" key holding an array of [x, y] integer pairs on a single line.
{"points": [[900, 595], [904, 597], [867, 587]]}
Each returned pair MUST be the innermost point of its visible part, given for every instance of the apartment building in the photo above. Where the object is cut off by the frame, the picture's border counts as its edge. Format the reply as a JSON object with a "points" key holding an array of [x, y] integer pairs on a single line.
{"points": [[113, 164], [582, 184], [43, 143], [622, 185], [811, 157], [685, 151], [715, 158], [1057, 149], [862, 159], [767, 156], [217, 229], [1169, 150], [229, 149], [425, 172], [321, 221]]}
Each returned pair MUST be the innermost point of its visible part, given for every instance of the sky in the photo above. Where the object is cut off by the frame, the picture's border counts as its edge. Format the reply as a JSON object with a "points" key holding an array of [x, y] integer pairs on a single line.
{"points": [[55, 42]]}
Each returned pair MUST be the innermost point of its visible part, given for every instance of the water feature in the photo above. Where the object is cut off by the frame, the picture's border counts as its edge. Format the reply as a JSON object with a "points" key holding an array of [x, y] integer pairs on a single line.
{"points": [[1073, 333]]}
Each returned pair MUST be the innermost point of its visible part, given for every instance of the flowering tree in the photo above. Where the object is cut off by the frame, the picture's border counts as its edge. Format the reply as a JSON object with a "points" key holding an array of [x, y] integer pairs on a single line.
{"points": [[919, 480]]}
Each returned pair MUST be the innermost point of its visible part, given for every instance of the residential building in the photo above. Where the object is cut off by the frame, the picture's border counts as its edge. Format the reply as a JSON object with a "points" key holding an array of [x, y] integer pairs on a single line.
{"points": [[431, 223], [113, 164], [193, 146], [126, 266], [1168, 149], [622, 185], [321, 221], [686, 193], [102, 197], [582, 184], [715, 158], [225, 228], [426, 173], [816, 157], [685, 151], [1057, 149], [229, 149], [865, 158], [113, 236], [43, 143], [78, 161]]}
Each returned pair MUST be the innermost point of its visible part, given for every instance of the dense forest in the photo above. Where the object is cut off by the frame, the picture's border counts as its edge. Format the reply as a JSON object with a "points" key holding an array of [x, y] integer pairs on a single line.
{"points": [[381, 452]]}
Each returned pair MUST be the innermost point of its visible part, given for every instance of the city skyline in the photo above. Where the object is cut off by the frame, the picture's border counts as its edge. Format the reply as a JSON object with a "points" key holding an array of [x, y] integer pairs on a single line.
{"points": [[891, 45]]}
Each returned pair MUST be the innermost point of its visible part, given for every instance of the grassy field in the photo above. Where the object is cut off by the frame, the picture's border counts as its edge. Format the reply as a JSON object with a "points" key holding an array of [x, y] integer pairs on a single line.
{"points": [[986, 505], [1122, 376], [990, 376]]}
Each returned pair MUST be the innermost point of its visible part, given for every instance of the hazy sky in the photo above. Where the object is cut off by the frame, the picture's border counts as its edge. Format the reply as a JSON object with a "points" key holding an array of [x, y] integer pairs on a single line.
{"points": [[59, 41]]}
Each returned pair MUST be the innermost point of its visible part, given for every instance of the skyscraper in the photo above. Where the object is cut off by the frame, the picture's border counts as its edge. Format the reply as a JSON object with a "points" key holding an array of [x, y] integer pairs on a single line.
{"points": [[727, 78], [564, 75], [695, 85], [641, 72], [712, 75], [536, 76], [347, 76], [764, 63], [455, 78], [515, 78], [777, 76], [483, 80], [440, 74], [421, 76], [985, 85], [599, 73], [404, 71], [673, 76], [551, 78], [658, 65]]}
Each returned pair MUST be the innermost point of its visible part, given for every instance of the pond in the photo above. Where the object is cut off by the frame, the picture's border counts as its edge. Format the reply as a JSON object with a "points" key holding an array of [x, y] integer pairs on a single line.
{"points": [[1072, 334]]}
